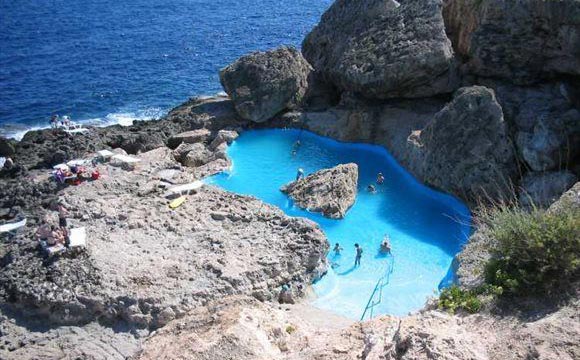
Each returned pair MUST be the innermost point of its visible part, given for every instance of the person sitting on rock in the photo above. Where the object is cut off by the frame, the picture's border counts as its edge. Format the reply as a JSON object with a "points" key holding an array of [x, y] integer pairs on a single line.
{"points": [[299, 174], [337, 249], [8, 163], [386, 245], [54, 121], [56, 236], [59, 175], [44, 231], [371, 188], [380, 178], [62, 215]]}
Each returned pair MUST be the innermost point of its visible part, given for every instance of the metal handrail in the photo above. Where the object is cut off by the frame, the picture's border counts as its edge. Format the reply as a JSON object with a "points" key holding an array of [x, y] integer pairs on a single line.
{"points": [[381, 283]]}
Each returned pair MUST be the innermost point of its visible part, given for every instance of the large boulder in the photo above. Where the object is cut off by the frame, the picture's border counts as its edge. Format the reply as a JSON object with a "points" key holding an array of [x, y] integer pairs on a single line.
{"points": [[188, 137], [262, 84], [6, 147], [467, 149], [329, 191], [545, 122], [223, 137], [521, 41], [569, 200], [197, 155], [542, 189], [383, 49]]}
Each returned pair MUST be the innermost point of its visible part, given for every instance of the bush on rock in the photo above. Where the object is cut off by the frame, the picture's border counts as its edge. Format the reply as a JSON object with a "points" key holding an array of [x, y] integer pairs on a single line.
{"points": [[537, 252]]}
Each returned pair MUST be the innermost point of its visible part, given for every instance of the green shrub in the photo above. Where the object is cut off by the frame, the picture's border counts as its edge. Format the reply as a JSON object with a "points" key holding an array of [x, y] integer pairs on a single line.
{"points": [[454, 298], [535, 252], [290, 329]]}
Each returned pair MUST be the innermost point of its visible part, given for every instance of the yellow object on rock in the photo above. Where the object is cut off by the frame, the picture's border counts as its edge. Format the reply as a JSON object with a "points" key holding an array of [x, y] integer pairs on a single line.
{"points": [[177, 202]]}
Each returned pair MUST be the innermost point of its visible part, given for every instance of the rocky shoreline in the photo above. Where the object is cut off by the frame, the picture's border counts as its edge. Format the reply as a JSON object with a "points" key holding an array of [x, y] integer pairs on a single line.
{"points": [[465, 105]]}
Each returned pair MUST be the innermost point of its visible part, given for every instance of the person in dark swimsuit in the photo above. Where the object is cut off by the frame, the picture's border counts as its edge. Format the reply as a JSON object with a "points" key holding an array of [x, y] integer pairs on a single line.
{"points": [[359, 252]]}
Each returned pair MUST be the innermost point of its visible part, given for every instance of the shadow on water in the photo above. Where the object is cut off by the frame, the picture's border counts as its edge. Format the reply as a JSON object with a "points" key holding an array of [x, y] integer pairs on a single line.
{"points": [[353, 268]]}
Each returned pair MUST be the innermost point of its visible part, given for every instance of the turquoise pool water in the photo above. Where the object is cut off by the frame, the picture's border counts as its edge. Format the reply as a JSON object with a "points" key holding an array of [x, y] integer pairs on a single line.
{"points": [[427, 228]]}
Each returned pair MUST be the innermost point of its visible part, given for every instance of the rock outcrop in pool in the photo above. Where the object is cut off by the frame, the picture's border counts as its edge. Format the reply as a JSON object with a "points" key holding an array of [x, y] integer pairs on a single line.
{"points": [[329, 191]]}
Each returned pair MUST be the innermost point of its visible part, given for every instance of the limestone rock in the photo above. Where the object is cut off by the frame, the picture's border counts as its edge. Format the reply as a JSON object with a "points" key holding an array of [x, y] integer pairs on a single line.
{"points": [[241, 328], [189, 137], [262, 84], [181, 151], [6, 147], [519, 41], [542, 189], [548, 144], [330, 191], [470, 263], [569, 200], [32, 339], [545, 121], [143, 258], [467, 149], [223, 137], [383, 49], [197, 155]]}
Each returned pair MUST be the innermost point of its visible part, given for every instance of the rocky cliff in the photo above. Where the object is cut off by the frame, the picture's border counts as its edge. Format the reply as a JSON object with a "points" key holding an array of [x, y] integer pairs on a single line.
{"points": [[393, 67], [478, 98], [383, 49]]}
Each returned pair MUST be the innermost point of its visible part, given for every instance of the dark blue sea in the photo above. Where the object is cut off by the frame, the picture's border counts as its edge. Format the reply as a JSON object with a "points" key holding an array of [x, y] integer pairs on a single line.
{"points": [[111, 61]]}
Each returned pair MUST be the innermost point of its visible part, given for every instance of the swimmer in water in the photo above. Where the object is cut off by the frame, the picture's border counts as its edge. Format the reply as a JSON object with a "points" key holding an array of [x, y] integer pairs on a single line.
{"points": [[380, 178]]}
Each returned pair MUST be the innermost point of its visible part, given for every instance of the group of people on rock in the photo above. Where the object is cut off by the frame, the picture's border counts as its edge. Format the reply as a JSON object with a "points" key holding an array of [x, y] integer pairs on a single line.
{"points": [[52, 234], [380, 181], [56, 121], [76, 174], [385, 249]]}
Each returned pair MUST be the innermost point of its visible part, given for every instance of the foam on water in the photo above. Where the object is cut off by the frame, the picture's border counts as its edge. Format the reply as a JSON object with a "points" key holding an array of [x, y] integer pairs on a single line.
{"points": [[426, 227], [124, 118]]}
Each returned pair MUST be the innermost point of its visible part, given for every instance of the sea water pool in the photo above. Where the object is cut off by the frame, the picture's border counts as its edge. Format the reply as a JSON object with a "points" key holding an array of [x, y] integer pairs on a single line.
{"points": [[426, 227]]}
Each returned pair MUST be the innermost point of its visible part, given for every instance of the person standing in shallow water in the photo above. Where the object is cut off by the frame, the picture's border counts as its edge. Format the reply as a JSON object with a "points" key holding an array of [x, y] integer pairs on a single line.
{"points": [[337, 249], [299, 174], [359, 251]]}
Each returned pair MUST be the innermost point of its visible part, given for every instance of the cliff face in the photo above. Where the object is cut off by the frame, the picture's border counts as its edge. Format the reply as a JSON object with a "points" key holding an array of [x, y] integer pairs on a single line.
{"points": [[393, 66], [524, 42], [383, 49], [471, 96]]}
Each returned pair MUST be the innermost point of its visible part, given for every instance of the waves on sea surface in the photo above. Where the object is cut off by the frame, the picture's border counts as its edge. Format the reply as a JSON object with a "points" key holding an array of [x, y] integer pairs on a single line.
{"points": [[125, 117], [106, 62]]}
